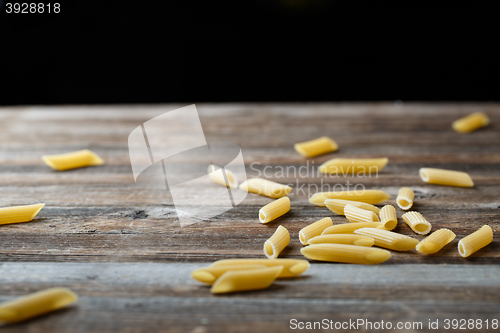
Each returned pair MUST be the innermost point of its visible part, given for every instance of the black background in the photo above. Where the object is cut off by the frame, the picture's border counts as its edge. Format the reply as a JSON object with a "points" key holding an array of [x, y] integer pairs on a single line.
{"points": [[263, 50]]}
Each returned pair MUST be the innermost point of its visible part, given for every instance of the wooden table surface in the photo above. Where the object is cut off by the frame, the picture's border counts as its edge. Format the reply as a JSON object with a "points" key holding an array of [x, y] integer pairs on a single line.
{"points": [[121, 249]]}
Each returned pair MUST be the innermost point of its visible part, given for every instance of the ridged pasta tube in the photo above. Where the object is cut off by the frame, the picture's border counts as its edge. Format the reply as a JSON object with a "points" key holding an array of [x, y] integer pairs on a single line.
{"points": [[350, 254], [337, 205], [436, 241], [278, 241], [388, 218], [18, 214], [348, 239], [274, 210], [388, 239], [316, 147], [211, 273], [417, 223], [266, 187], [292, 267], [354, 166], [366, 196], [314, 229], [475, 241], [405, 198], [348, 228], [252, 279], [355, 214], [471, 122], [222, 177], [77, 159], [445, 177]]}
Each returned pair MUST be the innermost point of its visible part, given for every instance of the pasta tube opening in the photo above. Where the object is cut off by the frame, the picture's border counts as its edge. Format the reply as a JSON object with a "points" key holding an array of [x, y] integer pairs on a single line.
{"points": [[388, 218], [475, 241], [278, 241], [405, 198], [274, 210], [417, 223]]}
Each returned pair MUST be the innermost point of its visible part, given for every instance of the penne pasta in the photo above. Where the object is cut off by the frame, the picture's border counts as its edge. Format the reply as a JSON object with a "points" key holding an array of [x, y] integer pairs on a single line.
{"points": [[355, 214], [337, 205], [445, 177], [18, 214], [316, 147], [291, 267], [366, 196], [471, 122], [210, 274], [348, 228], [222, 177], [475, 241], [417, 223], [436, 241], [350, 254], [405, 198], [348, 239], [77, 159], [278, 241], [266, 187], [314, 229], [388, 218], [35, 304], [354, 166], [274, 210], [244, 280], [388, 239]]}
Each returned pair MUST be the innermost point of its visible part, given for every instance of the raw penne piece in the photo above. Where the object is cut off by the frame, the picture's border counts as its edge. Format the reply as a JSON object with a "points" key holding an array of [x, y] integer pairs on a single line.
{"points": [[405, 198], [316, 147], [346, 166], [274, 210], [337, 205], [217, 175], [350, 254], [291, 267], [19, 213], [388, 218], [77, 159], [349, 239], [314, 229], [388, 239], [436, 241], [475, 241], [35, 304], [211, 273], [417, 223], [355, 214], [366, 196], [265, 187], [471, 122], [445, 177], [252, 279], [348, 228], [278, 241]]}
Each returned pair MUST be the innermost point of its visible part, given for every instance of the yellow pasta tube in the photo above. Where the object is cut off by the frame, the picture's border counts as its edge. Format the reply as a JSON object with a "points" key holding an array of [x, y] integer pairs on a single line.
{"points": [[217, 176], [354, 166], [388, 218], [445, 177], [77, 159], [366, 196], [252, 279], [405, 198], [274, 210], [348, 228], [436, 241], [291, 267], [314, 229], [350, 254], [388, 239], [316, 147], [210, 274], [349, 239], [355, 214], [337, 205], [417, 223], [19, 213], [471, 122], [278, 241], [265, 187], [35, 304], [475, 241]]}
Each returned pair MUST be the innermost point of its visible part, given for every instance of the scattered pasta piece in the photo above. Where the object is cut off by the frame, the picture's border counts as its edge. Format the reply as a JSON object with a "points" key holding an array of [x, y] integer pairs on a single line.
{"points": [[337, 205], [278, 241], [350, 254], [217, 175], [388, 239], [445, 177], [475, 241], [405, 198], [348, 228], [35, 304], [349, 239], [436, 241], [354, 166], [471, 122], [274, 210], [77, 159], [19, 213], [417, 223], [314, 229], [366, 196], [210, 274], [355, 214], [316, 147], [291, 267], [244, 280], [265, 187], [388, 218]]}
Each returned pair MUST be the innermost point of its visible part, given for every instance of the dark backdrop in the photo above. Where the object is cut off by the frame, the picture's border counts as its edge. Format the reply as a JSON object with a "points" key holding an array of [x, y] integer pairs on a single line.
{"points": [[255, 50]]}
